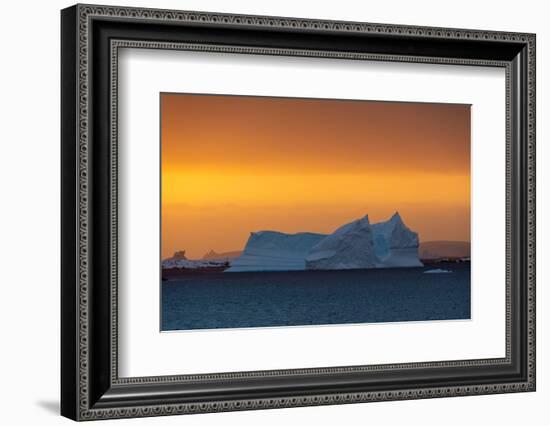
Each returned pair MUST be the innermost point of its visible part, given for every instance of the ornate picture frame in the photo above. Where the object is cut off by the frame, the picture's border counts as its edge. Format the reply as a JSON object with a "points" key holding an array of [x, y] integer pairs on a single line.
{"points": [[91, 37]]}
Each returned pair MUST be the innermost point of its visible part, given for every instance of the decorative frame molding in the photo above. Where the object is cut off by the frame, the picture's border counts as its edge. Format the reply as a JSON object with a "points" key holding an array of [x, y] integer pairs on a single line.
{"points": [[91, 388]]}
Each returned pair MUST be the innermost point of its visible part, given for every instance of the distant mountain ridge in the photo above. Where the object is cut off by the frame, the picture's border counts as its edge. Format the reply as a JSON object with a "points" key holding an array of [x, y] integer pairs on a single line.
{"points": [[211, 255], [426, 250], [444, 249]]}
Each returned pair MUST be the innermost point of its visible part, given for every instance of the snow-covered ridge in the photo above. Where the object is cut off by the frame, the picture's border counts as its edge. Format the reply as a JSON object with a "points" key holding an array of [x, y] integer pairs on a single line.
{"points": [[356, 245], [179, 261]]}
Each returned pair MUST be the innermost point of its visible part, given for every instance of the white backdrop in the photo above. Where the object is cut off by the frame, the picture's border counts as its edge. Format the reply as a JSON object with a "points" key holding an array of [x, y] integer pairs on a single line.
{"points": [[146, 352], [29, 225]]}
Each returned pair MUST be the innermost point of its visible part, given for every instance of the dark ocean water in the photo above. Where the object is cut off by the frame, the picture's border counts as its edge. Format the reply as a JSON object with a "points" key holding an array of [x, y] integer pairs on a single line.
{"points": [[267, 299]]}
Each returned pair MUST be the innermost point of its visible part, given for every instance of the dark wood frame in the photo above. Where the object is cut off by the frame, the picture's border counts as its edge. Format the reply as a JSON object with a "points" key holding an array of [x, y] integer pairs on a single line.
{"points": [[90, 386]]}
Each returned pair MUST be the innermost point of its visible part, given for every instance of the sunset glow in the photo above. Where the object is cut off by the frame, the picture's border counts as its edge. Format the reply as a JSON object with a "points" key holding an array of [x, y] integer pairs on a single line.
{"points": [[232, 165]]}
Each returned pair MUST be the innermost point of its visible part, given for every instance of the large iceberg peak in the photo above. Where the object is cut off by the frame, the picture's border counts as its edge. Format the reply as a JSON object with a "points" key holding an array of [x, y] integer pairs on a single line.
{"points": [[401, 235], [395, 244], [396, 217], [395, 234], [349, 247]]}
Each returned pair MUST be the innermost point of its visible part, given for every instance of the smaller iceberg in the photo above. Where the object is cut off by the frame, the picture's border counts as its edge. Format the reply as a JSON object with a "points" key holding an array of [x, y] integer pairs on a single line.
{"points": [[438, 271]]}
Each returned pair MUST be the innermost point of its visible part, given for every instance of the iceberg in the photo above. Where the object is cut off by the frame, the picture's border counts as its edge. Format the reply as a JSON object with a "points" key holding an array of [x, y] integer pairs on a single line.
{"points": [[356, 245], [275, 251]]}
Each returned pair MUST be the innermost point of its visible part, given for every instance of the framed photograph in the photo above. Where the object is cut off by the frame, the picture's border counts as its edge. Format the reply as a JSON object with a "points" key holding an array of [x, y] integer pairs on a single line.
{"points": [[263, 212]]}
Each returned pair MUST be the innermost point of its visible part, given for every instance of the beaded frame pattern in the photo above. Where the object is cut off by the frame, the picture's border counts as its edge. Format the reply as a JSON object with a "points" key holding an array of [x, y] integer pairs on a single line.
{"points": [[86, 12]]}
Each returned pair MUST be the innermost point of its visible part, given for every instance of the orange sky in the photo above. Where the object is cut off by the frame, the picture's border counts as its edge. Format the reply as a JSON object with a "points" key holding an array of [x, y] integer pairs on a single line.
{"points": [[236, 164]]}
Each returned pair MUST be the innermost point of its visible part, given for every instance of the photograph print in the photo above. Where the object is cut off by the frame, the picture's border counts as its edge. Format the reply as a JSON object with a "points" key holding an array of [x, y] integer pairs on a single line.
{"points": [[279, 212]]}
